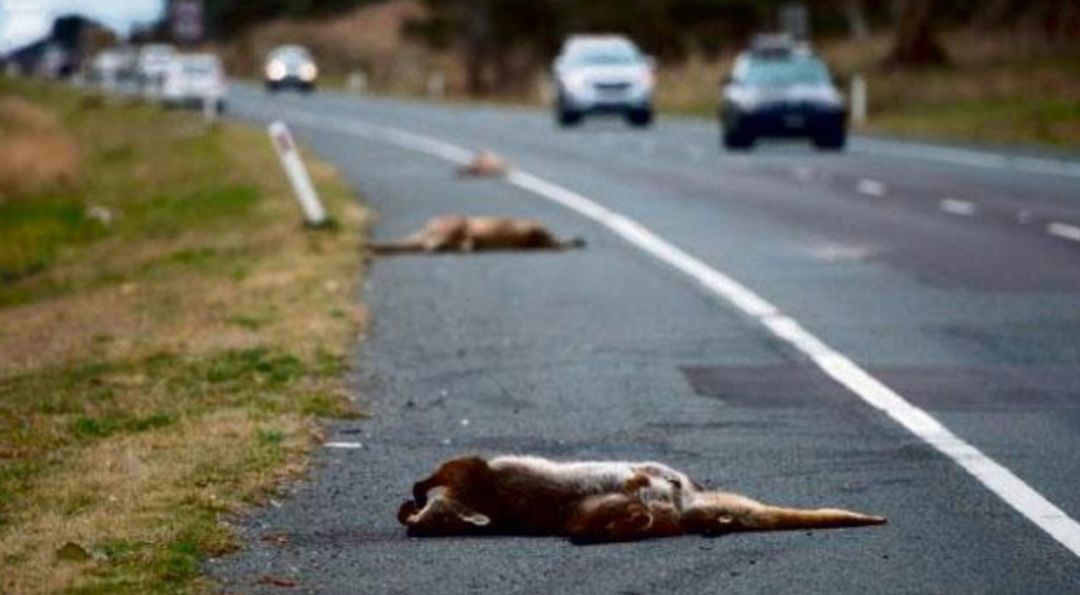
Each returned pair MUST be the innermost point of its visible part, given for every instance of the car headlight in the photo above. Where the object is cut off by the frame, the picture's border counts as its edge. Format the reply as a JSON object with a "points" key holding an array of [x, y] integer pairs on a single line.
{"points": [[647, 80], [745, 99], [576, 82], [309, 71], [276, 70]]}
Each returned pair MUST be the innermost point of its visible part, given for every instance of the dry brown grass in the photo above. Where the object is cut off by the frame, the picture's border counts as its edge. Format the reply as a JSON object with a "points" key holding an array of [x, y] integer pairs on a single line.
{"points": [[168, 367], [35, 151], [368, 39], [119, 498], [1000, 88]]}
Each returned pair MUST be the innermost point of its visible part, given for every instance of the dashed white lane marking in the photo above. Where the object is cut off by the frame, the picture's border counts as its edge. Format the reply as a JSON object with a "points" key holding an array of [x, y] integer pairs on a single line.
{"points": [[994, 476], [1064, 230], [962, 208], [344, 445], [803, 173], [871, 187]]}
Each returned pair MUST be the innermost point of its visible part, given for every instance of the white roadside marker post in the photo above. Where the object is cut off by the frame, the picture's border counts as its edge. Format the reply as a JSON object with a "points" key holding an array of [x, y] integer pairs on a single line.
{"points": [[209, 109], [436, 85], [858, 100], [357, 82], [314, 213]]}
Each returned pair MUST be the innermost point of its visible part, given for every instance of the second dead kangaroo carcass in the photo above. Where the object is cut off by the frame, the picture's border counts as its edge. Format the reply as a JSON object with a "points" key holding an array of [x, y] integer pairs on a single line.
{"points": [[456, 233], [484, 164], [592, 501]]}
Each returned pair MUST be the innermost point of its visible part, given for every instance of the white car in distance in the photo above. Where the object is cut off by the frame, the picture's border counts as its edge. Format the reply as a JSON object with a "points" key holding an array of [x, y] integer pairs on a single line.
{"points": [[603, 74], [151, 65], [195, 80], [290, 66]]}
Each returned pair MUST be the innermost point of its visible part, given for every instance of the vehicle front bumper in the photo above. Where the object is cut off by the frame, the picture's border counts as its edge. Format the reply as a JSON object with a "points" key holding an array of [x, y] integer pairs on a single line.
{"points": [[290, 82], [785, 120], [593, 101]]}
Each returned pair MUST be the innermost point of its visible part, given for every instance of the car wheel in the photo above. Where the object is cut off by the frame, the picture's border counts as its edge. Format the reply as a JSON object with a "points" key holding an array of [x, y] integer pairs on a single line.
{"points": [[568, 118], [737, 140], [830, 140], [220, 107], [640, 117]]}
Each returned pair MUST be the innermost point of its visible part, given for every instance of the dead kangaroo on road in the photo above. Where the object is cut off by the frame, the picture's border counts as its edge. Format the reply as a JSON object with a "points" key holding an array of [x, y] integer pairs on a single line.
{"points": [[592, 502], [455, 233], [483, 165]]}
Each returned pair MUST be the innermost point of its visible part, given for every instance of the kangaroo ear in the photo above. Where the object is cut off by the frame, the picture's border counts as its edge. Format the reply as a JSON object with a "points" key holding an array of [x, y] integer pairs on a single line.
{"points": [[475, 518]]}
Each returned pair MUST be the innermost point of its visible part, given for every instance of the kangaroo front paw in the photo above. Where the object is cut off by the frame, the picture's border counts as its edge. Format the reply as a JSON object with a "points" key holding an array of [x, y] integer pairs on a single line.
{"points": [[406, 512]]}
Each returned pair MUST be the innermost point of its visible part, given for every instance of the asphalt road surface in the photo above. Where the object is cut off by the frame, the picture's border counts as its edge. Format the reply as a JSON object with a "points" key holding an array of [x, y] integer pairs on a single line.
{"points": [[947, 278]]}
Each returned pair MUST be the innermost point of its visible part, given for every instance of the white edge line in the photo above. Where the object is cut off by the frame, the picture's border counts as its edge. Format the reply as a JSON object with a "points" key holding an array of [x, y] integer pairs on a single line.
{"points": [[344, 445], [1064, 230], [997, 478], [871, 187]]}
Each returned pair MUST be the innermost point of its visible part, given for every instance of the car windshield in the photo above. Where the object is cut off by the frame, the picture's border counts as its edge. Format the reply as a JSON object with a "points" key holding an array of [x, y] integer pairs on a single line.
{"points": [[786, 73], [200, 68], [292, 56], [604, 55]]}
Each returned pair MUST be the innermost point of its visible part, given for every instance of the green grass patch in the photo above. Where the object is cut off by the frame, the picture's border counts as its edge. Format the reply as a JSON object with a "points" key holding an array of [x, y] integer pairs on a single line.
{"points": [[1044, 121], [157, 367], [172, 213], [35, 232]]}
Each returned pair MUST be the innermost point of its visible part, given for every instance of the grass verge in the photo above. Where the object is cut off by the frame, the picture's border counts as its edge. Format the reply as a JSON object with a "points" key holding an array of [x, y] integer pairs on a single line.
{"points": [[169, 335]]}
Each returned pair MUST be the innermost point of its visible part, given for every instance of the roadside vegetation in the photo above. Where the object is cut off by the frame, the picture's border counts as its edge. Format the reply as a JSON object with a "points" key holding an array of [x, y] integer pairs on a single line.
{"points": [[1003, 82], [998, 88], [169, 336]]}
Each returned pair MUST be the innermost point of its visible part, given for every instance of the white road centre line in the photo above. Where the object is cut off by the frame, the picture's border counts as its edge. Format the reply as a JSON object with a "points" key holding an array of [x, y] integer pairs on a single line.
{"points": [[962, 208], [994, 476], [1064, 230], [871, 187]]}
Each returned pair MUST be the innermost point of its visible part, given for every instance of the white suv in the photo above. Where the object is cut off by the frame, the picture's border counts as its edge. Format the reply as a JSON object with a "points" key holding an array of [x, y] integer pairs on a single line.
{"points": [[603, 74], [194, 80], [151, 65]]}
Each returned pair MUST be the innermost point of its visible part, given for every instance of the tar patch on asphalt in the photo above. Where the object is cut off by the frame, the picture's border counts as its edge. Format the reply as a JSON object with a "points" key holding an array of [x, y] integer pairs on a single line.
{"points": [[1000, 387], [770, 387]]}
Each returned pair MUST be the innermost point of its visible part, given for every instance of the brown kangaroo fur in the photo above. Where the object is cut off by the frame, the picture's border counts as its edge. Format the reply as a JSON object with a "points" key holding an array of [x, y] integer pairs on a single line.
{"points": [[484, 164], [592, 502], [455, 233]]}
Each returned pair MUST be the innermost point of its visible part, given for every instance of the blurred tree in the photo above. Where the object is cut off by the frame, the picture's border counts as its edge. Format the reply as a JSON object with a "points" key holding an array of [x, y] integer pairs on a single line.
{"points": [[228, 17], [855, 13], [916, 40], [488, 33]]}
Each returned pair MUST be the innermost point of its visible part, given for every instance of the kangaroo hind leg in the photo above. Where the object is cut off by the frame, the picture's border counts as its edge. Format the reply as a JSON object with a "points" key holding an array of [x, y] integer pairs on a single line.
{"points": [[609, 518]]}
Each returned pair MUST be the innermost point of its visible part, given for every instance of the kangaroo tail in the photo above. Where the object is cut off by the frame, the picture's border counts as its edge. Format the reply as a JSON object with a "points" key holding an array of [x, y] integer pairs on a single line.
{"points": [[777, 518], [571, 244]]}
